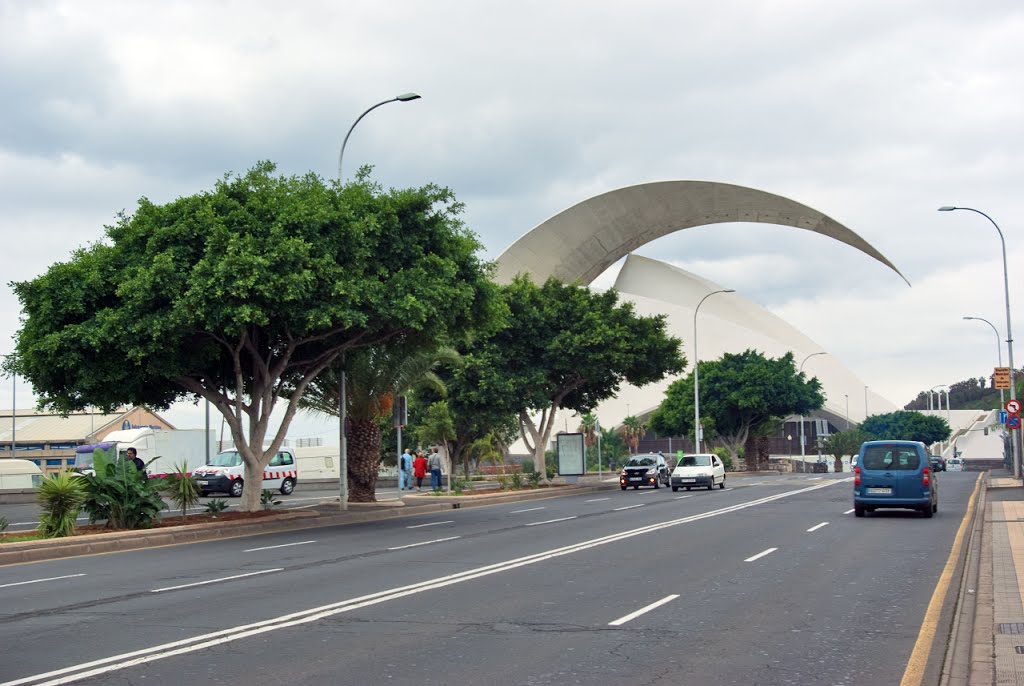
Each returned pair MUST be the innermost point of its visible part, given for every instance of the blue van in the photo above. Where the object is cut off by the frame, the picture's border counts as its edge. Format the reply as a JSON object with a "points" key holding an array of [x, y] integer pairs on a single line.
{"points": [[894, 474]]}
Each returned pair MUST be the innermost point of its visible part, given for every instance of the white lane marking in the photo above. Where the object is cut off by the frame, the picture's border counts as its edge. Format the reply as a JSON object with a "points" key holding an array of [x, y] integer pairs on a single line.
{"points": [[203, 641], [529, 509], [552, 521], [680, 497], [817, 526], [415, 545], [214, 581], [727, 489], [627, 507], [271, 547], [633, 615], [761, 554], [848, 511], [596, 500], [647, 492], [38, 581], [420, 526], [302, 507], [756, 483]]}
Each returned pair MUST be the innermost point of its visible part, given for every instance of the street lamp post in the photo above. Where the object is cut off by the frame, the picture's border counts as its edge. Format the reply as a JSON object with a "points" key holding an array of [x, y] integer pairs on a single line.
{"points": [[1015, 443], [696, 373], [14, 411], [342, 401], [802, 463], [865, 402], [847, 396], [999, 351]]}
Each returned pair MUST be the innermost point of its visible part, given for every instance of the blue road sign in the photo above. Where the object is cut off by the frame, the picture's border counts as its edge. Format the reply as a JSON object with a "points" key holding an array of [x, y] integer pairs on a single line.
{"points": [[1013, 422], [1003, 414]]}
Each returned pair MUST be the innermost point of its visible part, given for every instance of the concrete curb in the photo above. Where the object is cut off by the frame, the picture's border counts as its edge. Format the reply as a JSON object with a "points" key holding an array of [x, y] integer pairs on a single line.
{"points": [[956, 664], [322, 516]]}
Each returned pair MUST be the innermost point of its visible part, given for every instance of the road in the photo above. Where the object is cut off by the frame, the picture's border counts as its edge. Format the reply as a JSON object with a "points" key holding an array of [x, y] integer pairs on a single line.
{"points": [[772, 581]]}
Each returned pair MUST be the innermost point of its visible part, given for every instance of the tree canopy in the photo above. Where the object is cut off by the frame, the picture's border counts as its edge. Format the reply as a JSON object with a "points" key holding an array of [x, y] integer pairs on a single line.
{"points": [[738, 394], [905, 425], [565, 346], [242, 295]]}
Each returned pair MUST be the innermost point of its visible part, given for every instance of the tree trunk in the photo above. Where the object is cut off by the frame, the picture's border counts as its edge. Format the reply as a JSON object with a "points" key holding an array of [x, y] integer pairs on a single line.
{"points": [[253, 488], [364, 442], [838, 465]]}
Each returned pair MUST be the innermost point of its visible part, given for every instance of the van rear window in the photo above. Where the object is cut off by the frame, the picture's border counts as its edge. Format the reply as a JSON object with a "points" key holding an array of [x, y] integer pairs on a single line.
{"points": [[890, 457]]}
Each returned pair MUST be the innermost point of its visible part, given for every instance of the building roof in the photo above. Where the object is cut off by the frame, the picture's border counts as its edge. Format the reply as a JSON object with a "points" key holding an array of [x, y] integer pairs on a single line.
{"points": [[37, 427]]}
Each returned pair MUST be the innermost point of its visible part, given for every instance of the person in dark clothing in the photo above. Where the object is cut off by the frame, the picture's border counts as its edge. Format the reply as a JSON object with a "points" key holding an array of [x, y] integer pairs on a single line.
{"points": [[134, 458]]}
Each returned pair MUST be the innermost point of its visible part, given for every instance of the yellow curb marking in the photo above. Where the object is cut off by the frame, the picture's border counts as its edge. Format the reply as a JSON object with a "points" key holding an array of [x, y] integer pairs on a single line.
{"points": [[914, 673]]}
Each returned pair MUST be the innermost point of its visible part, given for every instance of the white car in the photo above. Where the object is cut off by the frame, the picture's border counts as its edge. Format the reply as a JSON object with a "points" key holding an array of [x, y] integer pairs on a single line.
{"points": [[954, 464], [706, 471]]}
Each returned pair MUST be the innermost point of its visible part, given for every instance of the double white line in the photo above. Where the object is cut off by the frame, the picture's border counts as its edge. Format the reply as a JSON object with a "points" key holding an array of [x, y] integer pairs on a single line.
{"points": [[204, 641]]}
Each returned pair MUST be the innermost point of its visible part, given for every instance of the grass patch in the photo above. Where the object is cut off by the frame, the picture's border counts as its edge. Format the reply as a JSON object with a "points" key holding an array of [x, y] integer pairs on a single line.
{"points": [[18, 537]]}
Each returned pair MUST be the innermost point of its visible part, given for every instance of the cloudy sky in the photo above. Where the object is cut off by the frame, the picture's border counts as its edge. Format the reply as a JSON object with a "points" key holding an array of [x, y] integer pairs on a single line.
{"points": [[873, 112]]}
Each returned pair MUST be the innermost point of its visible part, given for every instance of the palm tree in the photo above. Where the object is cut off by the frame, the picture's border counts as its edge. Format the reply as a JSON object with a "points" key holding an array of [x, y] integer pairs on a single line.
{"points": [[375, 376], [588, 427], [632, 431]]}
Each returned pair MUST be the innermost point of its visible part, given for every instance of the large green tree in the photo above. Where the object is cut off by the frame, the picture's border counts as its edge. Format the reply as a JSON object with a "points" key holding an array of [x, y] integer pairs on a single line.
{"points": [[566, 347], [738, 394], [907, 425], [242, 295]]}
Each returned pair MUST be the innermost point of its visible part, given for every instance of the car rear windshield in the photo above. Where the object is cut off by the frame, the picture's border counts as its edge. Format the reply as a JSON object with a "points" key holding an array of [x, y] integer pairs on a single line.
{"points": [[640, 462], [890, 457], [695, 461]]}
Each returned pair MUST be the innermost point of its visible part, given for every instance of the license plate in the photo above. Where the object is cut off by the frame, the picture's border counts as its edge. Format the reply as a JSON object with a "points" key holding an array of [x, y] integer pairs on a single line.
{"points": [[688, 481], [880, 491], [636, 478], [203, 483]]}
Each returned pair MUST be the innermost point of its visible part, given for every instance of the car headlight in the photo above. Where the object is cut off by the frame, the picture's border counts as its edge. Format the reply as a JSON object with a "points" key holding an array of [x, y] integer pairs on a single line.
{"points": [[652, 471]]}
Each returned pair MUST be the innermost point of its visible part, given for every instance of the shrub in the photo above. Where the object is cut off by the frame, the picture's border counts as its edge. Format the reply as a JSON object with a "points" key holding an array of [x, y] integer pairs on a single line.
{"points": [[120, 494], [61, 497], [458, 485], [517, 480], [534, 479], [4, 524], [528, 466], [267, 499], [182, 488], [503, 481], [216, 506], [726, 458]]}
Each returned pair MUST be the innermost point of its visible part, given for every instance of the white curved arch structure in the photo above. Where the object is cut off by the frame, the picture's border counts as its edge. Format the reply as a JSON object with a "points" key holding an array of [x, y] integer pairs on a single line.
{"points": [[582, 241]]}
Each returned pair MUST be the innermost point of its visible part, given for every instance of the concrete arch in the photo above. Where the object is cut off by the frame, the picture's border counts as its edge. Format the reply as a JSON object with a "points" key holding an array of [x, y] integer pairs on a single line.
{"points": [[582, 241]]}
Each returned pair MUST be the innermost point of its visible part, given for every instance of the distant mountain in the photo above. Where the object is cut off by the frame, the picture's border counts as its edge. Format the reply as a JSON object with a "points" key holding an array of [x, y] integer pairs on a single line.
{"points": [[970, 394]]}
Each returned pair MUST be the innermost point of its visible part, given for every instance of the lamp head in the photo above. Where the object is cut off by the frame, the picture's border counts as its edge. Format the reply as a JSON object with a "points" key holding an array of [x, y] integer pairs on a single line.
{"points": [[969, 317], [729, 290], [406, 97], [946, 208]]}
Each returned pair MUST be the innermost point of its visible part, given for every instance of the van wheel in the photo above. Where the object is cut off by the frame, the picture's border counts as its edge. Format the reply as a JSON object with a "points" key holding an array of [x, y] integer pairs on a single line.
{"points": [[204, 494], [687, 488], [712, 484], [675, 488], [858, 511], [287, 486], [722, 485], [623, 488], [235, 490], [927, 511], [935, 507], [635, 487]]}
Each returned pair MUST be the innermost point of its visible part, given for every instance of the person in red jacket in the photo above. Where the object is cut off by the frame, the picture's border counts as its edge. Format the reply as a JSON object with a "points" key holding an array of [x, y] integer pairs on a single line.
{"points": [[419, 469]]}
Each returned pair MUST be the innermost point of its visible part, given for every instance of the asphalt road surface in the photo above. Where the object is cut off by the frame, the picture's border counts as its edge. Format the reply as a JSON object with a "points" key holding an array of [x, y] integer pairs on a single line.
{"points": [[771, 581]]}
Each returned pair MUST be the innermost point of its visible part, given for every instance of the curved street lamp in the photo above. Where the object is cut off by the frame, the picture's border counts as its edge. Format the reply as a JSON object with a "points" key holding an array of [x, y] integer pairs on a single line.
{"points": [[342, 400], [404, 97], [801, 416], [1015, 443], [696, 373], [999, 352]]}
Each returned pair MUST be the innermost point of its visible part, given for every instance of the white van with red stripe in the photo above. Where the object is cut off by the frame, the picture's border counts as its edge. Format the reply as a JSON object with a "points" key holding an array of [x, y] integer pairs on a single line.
{"points": [[225, 473]]}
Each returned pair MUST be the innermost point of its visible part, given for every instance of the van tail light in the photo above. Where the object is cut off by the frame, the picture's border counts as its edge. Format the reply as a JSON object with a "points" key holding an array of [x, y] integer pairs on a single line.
{"points": [[926, 477], [856, 476]]}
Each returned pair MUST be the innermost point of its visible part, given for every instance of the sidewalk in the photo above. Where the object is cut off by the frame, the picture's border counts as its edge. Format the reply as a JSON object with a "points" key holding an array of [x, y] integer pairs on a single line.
{"points": [[996, 654]]}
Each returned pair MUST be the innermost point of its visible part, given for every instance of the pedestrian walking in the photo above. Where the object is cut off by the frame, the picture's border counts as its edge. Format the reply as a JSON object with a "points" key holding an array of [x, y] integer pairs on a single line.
{"points": [[434, 464], [405, 471], [419, 469]]}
